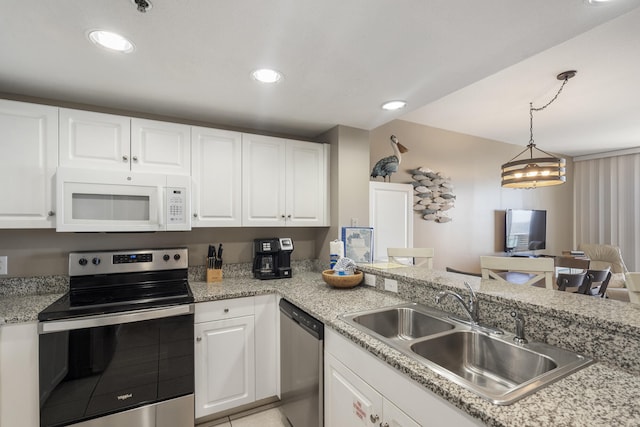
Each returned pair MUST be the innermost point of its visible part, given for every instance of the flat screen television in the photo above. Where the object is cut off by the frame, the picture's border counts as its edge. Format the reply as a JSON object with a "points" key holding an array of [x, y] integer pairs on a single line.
{"points": [[525, 230]]}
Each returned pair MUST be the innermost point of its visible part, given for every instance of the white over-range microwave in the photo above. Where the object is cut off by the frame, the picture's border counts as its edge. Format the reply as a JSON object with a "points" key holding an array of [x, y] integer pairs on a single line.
{"points": [[114, 201]]}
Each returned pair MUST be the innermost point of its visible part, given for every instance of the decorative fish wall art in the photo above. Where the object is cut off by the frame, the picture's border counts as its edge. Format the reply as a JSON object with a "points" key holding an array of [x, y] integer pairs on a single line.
{"points": [[433, 195]]}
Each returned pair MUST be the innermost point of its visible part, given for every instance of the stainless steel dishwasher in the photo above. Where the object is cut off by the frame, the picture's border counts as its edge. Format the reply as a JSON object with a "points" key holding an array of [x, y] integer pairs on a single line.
{"points": [[301, 366]]}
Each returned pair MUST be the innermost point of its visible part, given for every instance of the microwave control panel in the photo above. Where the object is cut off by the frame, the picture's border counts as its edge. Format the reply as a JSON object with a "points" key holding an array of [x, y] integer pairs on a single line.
{"points": [[176, 206]]}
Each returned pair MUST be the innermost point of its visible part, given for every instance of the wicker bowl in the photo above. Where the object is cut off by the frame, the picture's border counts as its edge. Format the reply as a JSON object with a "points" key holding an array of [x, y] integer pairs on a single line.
{"points": [[342, 281]]}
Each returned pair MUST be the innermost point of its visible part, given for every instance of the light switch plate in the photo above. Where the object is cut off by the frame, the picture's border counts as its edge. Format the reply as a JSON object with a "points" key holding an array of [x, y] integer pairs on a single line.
{"points": [[3, 265], [391, 285]]}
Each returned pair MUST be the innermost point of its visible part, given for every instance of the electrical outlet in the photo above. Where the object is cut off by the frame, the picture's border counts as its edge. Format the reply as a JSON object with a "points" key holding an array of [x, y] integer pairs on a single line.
{"points": [[354, 222], [391, 285], [369, 279], [3, 265]]}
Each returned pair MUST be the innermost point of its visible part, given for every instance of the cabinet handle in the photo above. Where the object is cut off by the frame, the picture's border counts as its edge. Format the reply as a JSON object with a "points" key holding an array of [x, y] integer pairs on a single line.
{"points": [[289, 216], [226, 310], [374, 418], [199, 339], [282, 216], [51, 213], [195, 214], [125, 158], [135, 158], [384, 425]]}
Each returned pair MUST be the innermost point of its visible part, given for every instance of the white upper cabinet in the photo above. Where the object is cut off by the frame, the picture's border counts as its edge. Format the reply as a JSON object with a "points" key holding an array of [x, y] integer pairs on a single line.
{"points": [[94, 140], [106, 141], [29, 135], [285, 182], [160, 147], [216, 170]]}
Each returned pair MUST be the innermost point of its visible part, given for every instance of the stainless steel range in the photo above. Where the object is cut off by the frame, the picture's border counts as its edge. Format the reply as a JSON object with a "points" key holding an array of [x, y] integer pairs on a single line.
{"points": [[117, 349]]}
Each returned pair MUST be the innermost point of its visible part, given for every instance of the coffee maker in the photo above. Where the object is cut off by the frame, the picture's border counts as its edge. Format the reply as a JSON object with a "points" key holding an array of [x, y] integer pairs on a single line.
{"points": [[272, 258]]}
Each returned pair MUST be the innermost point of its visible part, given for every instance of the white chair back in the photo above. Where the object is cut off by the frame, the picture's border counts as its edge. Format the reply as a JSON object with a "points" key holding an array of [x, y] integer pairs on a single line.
{"points": [[420, 257], [633, 284], [538, 268]]}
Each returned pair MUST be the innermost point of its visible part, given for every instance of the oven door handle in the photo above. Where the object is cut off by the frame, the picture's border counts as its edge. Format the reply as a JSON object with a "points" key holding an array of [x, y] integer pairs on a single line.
{"points": [[113, 319]]}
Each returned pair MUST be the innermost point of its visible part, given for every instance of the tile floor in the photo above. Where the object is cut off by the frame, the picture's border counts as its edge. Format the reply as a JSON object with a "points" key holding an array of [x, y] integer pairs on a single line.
{"points": [[267, 418]]}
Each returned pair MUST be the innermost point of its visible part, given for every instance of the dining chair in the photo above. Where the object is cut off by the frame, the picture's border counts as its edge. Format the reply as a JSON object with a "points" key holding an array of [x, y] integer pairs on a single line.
{"points": [[529, 271], [420, 257], [595, 276], [570, 280]]}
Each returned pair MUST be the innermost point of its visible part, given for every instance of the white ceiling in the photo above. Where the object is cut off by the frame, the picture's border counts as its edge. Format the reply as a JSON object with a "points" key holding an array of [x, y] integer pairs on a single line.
{"points": [[466, 65]]}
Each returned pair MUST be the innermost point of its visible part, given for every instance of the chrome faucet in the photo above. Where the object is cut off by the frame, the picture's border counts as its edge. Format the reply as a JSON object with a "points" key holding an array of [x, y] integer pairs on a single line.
{"points": [[471, 308], [519, 318]]}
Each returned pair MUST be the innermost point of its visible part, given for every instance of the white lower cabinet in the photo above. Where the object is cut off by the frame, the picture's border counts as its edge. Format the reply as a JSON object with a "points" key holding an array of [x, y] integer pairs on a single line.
{"points": [[349, 401], [19, 402], [361, 390], [235, 353]]}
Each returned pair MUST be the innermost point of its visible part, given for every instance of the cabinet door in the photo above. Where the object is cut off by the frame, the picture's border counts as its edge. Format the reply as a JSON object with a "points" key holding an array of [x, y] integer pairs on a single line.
{"points": [[394, 417], [19, 401], [263, 185], [29, 132], [216, 169], [94, 140], [160, 147], [348, 400], [306, 183], [224, 365]]}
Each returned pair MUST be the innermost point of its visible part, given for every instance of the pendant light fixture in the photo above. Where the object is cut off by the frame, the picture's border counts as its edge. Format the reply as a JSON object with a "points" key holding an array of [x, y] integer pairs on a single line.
{"points": [[532, 172]]}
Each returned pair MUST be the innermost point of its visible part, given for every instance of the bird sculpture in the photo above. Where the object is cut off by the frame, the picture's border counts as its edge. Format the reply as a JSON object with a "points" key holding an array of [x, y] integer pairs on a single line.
{"points": [[388, 165]]}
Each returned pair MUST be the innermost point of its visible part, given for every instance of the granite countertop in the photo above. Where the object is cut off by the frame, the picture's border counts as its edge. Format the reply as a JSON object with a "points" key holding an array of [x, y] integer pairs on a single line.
{"points": [[599, 395]]}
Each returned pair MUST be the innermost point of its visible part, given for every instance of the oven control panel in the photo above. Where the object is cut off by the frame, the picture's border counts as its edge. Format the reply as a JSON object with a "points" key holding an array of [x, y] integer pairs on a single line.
{"points": [[109, 262]]}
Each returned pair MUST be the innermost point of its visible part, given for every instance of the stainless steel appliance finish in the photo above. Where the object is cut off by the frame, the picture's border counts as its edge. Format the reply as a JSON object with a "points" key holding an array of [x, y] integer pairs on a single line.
{"points": [[117, 349], [301, 366]]}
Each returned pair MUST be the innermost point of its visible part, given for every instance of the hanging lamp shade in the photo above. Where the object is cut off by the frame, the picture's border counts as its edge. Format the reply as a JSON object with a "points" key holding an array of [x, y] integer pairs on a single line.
{"points": [[532, 172]]}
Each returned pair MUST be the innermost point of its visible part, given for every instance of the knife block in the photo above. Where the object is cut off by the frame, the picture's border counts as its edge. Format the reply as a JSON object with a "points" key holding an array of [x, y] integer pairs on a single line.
{"points": [[214, 275]]}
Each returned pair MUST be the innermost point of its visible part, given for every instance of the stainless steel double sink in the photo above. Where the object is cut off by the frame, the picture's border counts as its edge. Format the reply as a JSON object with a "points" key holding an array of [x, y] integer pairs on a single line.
{"points": [[486, 361]]}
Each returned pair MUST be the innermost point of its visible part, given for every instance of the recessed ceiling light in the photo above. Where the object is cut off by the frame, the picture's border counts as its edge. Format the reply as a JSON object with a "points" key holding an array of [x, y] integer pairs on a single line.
{"points": [[267, 75], [111, 41], [393, 105]]}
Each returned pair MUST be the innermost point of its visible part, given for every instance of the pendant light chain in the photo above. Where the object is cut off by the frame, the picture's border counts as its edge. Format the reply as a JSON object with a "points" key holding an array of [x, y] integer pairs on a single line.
{"points": [[532, 109]]}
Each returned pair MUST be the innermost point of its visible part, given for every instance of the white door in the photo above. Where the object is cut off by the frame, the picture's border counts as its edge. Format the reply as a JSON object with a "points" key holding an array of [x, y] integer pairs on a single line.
{"points": [[306, 200], [348, 400], [29, 132], [263, 181], [94, 140], [391, 216], [224, 365], [216, 168], [160, 147]]}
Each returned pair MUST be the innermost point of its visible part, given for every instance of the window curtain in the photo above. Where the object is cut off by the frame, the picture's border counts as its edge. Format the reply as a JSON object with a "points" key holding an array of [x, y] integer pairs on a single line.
{"points": [[607, 204]]}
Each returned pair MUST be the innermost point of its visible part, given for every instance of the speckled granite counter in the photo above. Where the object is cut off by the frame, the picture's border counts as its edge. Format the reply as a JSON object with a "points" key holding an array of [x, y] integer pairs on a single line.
{"points": [[599, 395]]}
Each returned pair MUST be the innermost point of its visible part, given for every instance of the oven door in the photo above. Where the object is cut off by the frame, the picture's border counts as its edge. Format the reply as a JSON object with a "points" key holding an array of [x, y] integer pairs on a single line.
{"points": [[92, 367]]}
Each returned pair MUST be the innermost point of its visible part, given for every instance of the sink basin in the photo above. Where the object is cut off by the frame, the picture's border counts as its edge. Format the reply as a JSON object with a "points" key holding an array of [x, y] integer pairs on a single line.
{"points": [[483, 360], [403, 323], [490, 363]]}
